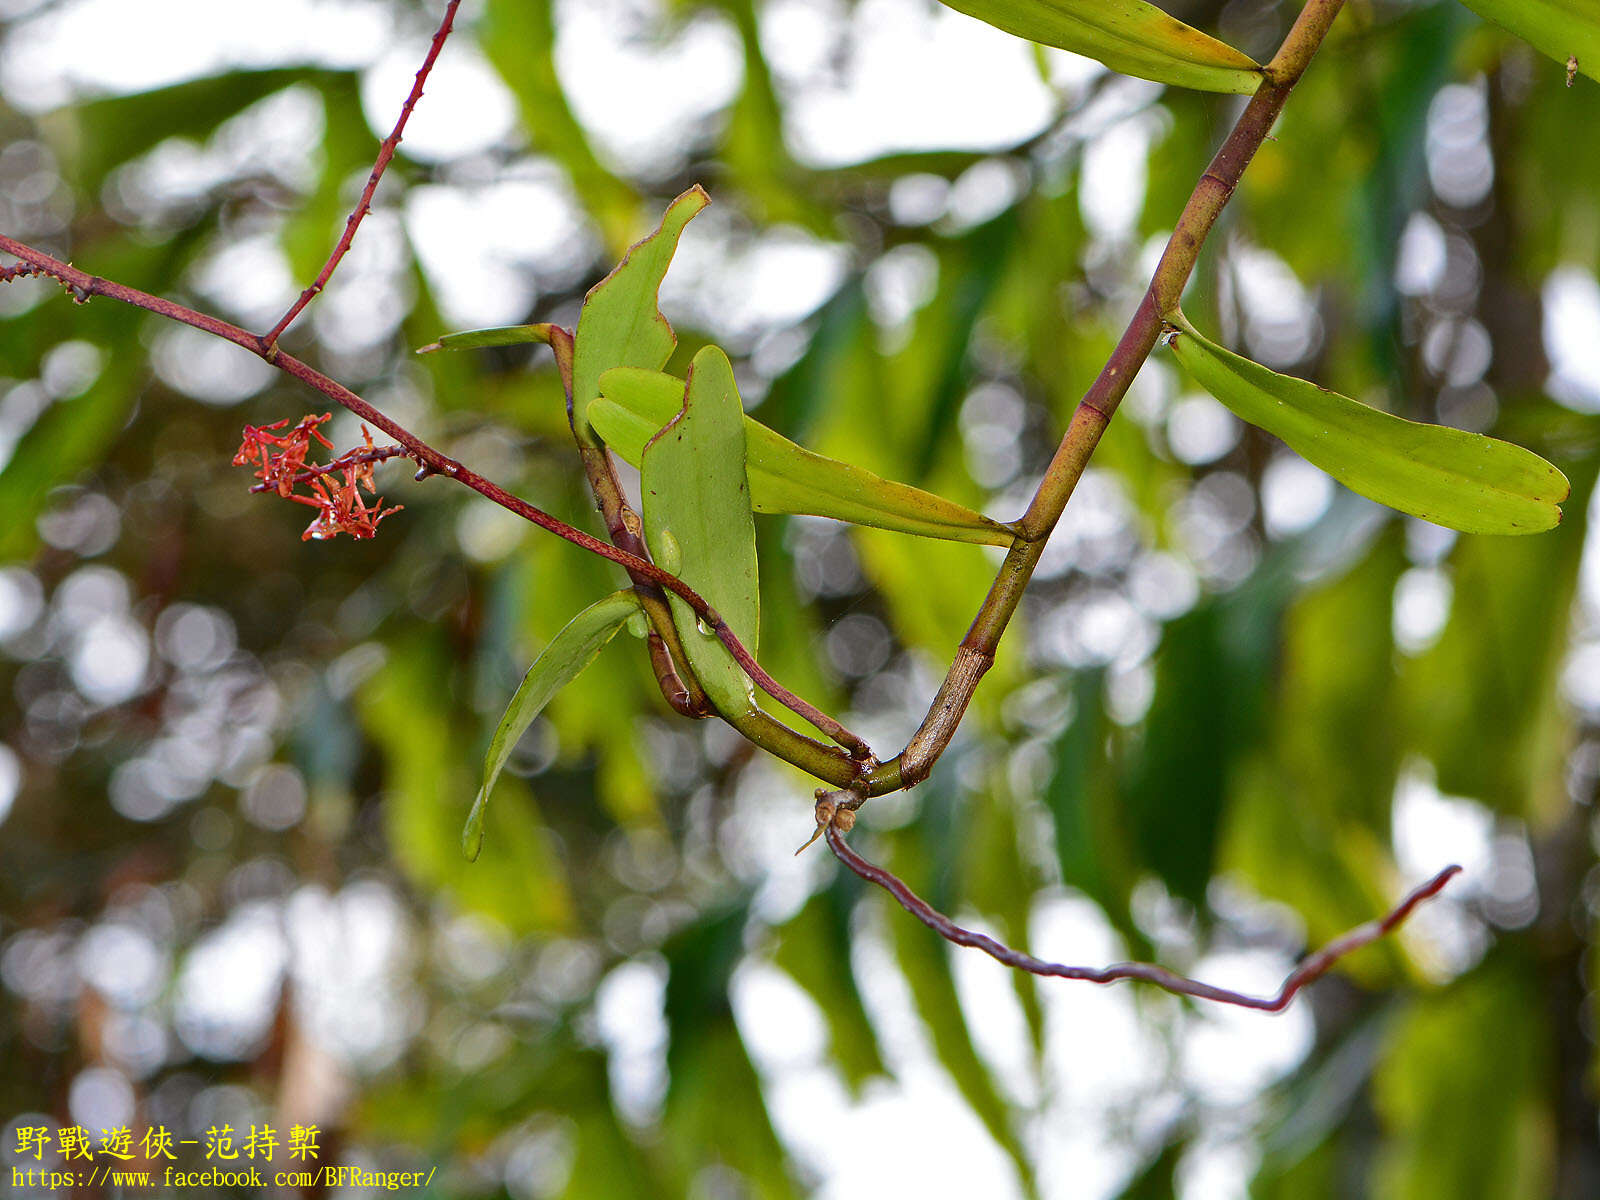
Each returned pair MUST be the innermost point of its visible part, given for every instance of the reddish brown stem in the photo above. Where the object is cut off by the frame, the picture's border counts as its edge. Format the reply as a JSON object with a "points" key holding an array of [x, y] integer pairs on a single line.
{"points": [[269, 340], [1311, 968], [84, 285]]}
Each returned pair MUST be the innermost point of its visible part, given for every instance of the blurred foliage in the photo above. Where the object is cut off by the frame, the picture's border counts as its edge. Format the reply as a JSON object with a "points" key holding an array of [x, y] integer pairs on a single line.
{"points": [[1239, 711]]}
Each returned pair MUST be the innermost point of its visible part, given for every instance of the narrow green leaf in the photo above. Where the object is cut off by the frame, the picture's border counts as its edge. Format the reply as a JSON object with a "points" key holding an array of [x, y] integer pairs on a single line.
{"points": [[568, 653], [500, 335], [1567, 30], [697, 512], [1467, 481], [784, 477], [1129, 36], [621, 325]]}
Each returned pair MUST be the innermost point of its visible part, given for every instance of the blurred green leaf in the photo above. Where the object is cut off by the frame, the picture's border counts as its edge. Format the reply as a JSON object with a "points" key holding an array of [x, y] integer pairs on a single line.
{"points": [[119, 128], [1464, 1091], [715, 1112], [1483, 703], [1213, 672], [814, 949], [928, 857], [1129, 36], [71, 436], [518, 880], [696, 497], [1467, 481], [784, 477], [573, 649]]}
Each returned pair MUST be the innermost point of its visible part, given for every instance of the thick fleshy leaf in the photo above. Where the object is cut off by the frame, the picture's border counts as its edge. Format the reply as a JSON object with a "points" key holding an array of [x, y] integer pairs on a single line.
{"points": [[620, 325], [499, 335], [697, 512], [1567, 30], [568, 653], [1129, 36], [1467, 481], [784, 477]]}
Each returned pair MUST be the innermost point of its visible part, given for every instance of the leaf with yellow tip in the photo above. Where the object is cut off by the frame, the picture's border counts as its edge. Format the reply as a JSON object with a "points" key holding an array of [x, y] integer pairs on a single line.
{"points": [[1129, 36]]}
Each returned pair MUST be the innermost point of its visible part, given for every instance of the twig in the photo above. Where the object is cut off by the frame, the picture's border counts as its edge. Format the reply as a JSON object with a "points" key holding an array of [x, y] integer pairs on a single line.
{"points": [[84, 285], [269, 340], [1311, 968], [1094, 411]]}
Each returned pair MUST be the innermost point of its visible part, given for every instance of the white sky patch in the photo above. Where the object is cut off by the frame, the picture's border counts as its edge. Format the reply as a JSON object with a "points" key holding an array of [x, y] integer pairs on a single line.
{"points": [[1431, 831], [917, 77], [1200, 430], [485, 250], [1230, 1054], [228, 986], [1572, 337], [111, 46], [737, 287], [642, 95], [350, 951], [1281, 326], [10, 780], [1422, 258], [628, 1011], [1115, 169], [1422, 598], [206, 368], [1294, 494], [994, 1015]]}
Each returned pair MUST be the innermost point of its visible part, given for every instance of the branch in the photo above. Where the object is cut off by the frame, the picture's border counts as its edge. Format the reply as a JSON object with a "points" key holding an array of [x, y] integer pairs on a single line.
{"points": [[269, 340], [1094, 411], [84, 285], [1311, 968]]}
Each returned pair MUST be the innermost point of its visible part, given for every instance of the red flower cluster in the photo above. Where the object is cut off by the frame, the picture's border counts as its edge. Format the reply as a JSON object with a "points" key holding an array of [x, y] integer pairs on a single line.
{"points": [[280, 460]]}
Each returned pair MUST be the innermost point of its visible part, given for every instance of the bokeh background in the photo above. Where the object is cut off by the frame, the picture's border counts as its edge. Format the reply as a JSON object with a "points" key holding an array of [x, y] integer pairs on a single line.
{"points": [[1240, 712]]}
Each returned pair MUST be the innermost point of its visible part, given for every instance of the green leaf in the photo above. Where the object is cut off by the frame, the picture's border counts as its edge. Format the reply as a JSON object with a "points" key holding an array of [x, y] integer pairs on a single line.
{"points": [[500, 335], [1467, 481], [784, 477], [569, 652], [696, 496], [621, 325], [1129, 36], [1566, 30]]}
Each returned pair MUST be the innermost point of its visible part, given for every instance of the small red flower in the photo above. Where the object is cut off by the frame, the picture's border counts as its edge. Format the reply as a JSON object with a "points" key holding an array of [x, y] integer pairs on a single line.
{"points": [[280, 461]]}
